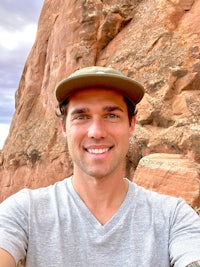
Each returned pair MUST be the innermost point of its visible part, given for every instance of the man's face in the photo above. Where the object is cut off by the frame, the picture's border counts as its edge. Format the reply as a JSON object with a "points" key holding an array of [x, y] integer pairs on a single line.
{"points": [[97, 130]]}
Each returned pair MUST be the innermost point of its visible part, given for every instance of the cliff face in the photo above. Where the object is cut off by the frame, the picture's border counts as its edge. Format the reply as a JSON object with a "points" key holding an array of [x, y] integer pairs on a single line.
{"points": [[157, 43]]}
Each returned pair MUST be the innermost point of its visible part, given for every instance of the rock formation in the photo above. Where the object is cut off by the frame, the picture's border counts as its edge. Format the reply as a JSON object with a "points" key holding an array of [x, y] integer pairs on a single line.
{"points": [[157, 43]]}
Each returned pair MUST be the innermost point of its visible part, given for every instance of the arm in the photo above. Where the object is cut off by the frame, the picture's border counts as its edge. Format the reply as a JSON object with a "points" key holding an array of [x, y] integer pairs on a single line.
{"points": [[6, 260], [13, 230], [185, 236], [194, 264]]}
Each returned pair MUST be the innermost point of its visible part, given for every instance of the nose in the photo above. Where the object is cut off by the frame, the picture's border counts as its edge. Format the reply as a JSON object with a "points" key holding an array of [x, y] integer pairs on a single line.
{"points": [[97, 129]]}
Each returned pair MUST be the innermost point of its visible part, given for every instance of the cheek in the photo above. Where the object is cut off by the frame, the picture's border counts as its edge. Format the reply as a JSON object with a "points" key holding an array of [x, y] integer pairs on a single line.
{"points": [[124, 132], [73, 136], [122, 138]]}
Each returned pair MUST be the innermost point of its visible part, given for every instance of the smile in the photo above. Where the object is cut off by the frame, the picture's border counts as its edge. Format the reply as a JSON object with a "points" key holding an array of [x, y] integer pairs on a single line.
{"points": [[98, 150]]}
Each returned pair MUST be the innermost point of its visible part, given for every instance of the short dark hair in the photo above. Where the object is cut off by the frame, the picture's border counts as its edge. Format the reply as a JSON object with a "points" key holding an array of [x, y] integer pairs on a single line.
{"points": [[61, 109], [131, 108]]}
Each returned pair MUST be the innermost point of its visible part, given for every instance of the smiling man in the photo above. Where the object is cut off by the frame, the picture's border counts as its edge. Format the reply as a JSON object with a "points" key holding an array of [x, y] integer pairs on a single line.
{"points": [[97, 217]]}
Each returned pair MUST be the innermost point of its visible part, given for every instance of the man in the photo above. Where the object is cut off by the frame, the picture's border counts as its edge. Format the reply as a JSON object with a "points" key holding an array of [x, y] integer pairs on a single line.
{"points": [[97, 217]]}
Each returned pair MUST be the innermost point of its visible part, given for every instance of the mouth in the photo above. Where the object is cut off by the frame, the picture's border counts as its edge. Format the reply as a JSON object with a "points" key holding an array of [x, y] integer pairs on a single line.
{"points": [[98, 150]]}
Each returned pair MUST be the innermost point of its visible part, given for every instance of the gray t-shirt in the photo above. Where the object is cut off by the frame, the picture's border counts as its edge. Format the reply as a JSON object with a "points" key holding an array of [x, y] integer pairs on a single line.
{"points": [[52, 227]]}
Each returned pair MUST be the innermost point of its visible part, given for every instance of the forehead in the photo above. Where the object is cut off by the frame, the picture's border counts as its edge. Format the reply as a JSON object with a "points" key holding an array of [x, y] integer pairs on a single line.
{"points": [[93, 95]]}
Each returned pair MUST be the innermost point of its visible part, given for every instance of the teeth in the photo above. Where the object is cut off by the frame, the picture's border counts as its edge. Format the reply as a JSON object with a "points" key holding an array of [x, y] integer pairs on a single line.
{"points": [[98, 150]]}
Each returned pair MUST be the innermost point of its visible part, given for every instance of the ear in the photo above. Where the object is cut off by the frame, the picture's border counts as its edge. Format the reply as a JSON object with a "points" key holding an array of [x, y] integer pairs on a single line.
{"points": [[63, 127], [132, 126]]}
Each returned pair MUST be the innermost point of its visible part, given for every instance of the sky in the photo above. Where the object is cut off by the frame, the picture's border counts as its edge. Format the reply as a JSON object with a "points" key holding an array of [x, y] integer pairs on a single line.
{"points": [[18, 27]]}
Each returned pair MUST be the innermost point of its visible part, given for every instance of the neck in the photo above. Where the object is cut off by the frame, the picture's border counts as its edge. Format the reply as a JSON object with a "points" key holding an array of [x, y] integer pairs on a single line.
{"points": [[102, 196]]}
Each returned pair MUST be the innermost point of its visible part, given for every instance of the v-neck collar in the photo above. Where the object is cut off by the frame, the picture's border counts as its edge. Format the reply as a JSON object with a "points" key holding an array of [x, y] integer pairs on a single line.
{"points": [[93, 221]]}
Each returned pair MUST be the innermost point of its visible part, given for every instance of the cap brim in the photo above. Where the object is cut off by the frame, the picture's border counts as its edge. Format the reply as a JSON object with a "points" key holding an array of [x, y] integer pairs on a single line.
{"points": [[124, 85]]}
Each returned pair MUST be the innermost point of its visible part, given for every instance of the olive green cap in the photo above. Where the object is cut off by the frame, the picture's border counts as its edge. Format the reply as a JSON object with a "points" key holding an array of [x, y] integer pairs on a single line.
{"points": [[99, 77]]}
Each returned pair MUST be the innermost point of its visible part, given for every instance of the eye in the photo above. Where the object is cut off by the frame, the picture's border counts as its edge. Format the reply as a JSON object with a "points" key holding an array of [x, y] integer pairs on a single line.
{"points": [[112, 116], [80, 117]]}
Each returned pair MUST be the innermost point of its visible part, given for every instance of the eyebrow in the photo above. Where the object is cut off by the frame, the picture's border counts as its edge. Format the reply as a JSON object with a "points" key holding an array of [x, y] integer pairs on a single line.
{"points": [[112, 108], [79, 111], [105, 109]]}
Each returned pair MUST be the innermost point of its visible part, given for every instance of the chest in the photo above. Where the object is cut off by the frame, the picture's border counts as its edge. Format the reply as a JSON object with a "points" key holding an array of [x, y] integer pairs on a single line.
{"points": [[77, 238]]}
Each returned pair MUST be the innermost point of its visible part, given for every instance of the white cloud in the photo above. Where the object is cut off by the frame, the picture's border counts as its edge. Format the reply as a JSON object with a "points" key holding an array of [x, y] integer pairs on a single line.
{"points": [[18, 26], [12, 40], [4, 130]]}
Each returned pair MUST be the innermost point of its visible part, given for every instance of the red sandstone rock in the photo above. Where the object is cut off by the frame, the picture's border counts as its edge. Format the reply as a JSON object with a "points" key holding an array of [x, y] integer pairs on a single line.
{"points": [[156, 42], [170, 174]]}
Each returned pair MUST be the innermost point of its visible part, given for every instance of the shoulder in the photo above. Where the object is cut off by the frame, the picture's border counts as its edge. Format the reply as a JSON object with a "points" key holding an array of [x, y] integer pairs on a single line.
{"points": [[157, 204], [154, 199], [27, 198]]}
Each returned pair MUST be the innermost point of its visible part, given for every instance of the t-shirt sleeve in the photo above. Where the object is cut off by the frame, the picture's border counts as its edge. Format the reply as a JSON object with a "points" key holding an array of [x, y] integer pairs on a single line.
{"points": [[184, 242], [14, 225]]}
